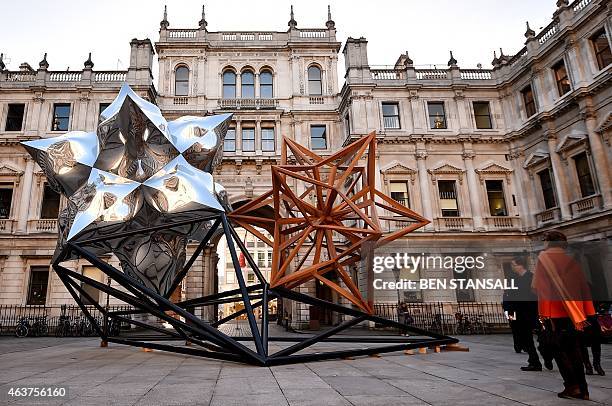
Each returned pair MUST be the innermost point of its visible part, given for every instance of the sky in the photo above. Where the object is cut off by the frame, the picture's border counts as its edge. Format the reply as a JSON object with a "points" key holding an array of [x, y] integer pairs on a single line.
{"points": [[67, 29]]}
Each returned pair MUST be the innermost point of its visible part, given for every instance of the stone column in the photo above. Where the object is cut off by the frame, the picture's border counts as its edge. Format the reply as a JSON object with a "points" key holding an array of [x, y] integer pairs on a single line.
{"points": [[26, 196], [421, 156], [523, 190], [258, 137], [473, 188], [600, 161], [238, 135], [256, 90], [560, 185]]}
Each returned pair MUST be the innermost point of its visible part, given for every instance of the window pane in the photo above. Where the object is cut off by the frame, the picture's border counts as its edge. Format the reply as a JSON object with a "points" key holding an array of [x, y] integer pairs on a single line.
{"points": [[482, 115], [390, 115], [265, 88], [601, 47], [39, 281], [267, 139], [229, 85], [314, 73], [50, 203], [61, 116], [399, 192], [182, 73], [528, 101], [547, 189], [448, 198], [6, 198], [437, 119], [248, 85], [495, 195], [248, 139], [181, 89], [314, 81], [587, 188], [14, 117], [229, 143], [563, 82], [318, 137]]}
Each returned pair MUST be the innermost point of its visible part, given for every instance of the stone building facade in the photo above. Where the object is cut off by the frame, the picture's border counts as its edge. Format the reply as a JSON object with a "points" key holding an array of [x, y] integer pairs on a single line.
{"points": [[494, 157]]}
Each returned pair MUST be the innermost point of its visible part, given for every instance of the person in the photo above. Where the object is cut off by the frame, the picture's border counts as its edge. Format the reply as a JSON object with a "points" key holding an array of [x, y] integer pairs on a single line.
{"points": [[522, 304], [507, 306], [564, 303], [591, 337]]}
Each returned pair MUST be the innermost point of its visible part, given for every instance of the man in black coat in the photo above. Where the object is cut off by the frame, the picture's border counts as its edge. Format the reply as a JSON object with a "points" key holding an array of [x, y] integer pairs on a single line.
{"points": [[523, 303]]}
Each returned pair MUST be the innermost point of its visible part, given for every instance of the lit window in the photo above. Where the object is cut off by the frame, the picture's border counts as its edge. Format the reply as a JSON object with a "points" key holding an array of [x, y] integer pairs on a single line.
{"points": [[528, 101], [265, 85], [61, 117], [437, 118], [39, 281], [248, 139], [399, 192], [561, 78], [601, 46], [229, 143], [229, 85], [14, 117], [448, 198], [318, 137], [495, 195], [49, 208], [181, 81], [391, 115], [482, 115], [548, 192], [267, 139], [583, 170], [314, 81]]}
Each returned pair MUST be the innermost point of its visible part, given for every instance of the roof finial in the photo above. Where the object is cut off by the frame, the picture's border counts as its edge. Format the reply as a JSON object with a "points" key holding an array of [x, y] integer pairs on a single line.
{"points": [[452, 61], [330, 24], [164, 24], [529, 33], [203, 22], [292, 23], [89, 63], [2, 65], [44, 64], [408, 60]]}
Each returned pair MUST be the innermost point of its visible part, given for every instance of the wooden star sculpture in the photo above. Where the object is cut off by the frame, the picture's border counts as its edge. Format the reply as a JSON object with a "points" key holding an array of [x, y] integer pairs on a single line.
{"points": [[328, 215]]}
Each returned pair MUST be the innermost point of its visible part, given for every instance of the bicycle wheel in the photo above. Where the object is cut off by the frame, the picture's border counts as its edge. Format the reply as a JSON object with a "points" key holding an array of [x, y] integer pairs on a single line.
{"points": [[21, 331]]}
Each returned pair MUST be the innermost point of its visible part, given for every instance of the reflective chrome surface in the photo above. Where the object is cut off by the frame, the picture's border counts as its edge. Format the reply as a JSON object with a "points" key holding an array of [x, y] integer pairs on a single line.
{"points": [[137, 171]]}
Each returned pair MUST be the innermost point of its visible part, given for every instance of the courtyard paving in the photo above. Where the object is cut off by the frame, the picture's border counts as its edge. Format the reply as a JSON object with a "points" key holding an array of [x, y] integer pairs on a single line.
{"points": [[118, 375]]}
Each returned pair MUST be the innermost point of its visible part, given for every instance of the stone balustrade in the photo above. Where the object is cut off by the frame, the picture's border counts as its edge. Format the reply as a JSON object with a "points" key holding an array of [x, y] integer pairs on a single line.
{"points": [[497, 223], [585, 205], [247, 103], [453, 224], [548, 216], [59, 78]]}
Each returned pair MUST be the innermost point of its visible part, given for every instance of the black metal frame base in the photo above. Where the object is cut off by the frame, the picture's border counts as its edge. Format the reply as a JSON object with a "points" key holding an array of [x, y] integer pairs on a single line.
{"points": [[209, 341]]}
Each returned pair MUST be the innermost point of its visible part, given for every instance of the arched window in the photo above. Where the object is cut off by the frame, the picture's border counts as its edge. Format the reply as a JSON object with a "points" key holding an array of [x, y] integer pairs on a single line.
{"points": [[247, 80], [229, 85], [265, 85], [314, 81], [181, 81]]}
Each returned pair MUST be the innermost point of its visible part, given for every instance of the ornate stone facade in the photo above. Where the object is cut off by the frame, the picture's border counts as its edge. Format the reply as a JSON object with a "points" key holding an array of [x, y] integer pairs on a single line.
{"points": [[493, 157]]}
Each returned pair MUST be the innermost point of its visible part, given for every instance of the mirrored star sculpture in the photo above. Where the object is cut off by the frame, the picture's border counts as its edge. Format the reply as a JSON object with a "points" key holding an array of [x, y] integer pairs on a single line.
{"points": [[137, 172]]}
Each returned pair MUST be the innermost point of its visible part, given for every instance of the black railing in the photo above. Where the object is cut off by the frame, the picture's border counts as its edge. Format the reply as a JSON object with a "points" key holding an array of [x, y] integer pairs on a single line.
{"points": [[68, 320]]}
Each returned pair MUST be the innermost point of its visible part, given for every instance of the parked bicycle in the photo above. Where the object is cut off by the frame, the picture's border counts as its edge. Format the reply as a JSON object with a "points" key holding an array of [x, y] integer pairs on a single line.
{"points": [[38, 328]]}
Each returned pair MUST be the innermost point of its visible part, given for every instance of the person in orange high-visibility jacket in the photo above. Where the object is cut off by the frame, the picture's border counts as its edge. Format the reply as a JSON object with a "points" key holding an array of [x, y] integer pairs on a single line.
{"points": [[564, 302]]}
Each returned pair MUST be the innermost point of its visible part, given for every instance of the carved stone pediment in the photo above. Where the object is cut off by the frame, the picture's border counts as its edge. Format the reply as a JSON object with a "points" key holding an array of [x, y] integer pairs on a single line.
{"points": [[446, 169], [494, 169], [535, 158], [570, 141], [605, 124], [396, 171], [10, 173]]}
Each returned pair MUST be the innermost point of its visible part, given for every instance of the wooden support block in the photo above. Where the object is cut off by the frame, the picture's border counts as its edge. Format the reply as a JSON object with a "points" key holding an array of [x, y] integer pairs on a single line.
{"points": [[455, 347], [348, 358], [437, 348], [423, 350], [103, 343], [374, 355], [145, 349], [188, 343], [409, 352]]}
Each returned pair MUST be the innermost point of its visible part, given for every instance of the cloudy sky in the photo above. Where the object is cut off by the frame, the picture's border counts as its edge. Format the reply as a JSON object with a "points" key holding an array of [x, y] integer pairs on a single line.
{"points": [[68, 29]]}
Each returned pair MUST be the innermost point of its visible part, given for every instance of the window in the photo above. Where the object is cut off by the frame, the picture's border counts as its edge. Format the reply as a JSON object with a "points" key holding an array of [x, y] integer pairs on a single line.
{"points": [[247, 85], [437, 118], [495, 195], [391, 115], [50, 203], [181, 81], [548, 192], [448, 198], [601, 46], [528, 101], [229, 143], [347, 125], [585, 180], [561, 78], [318, 137], [94, 273], [248, 139], [261, 259], [267, 139], [103, 107], [482, 115], [6, 200], [399, 192], [265, 85], [39, 281], [61, 117], [314, 81], [250, 277], [229, 85], [14, 117]]}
